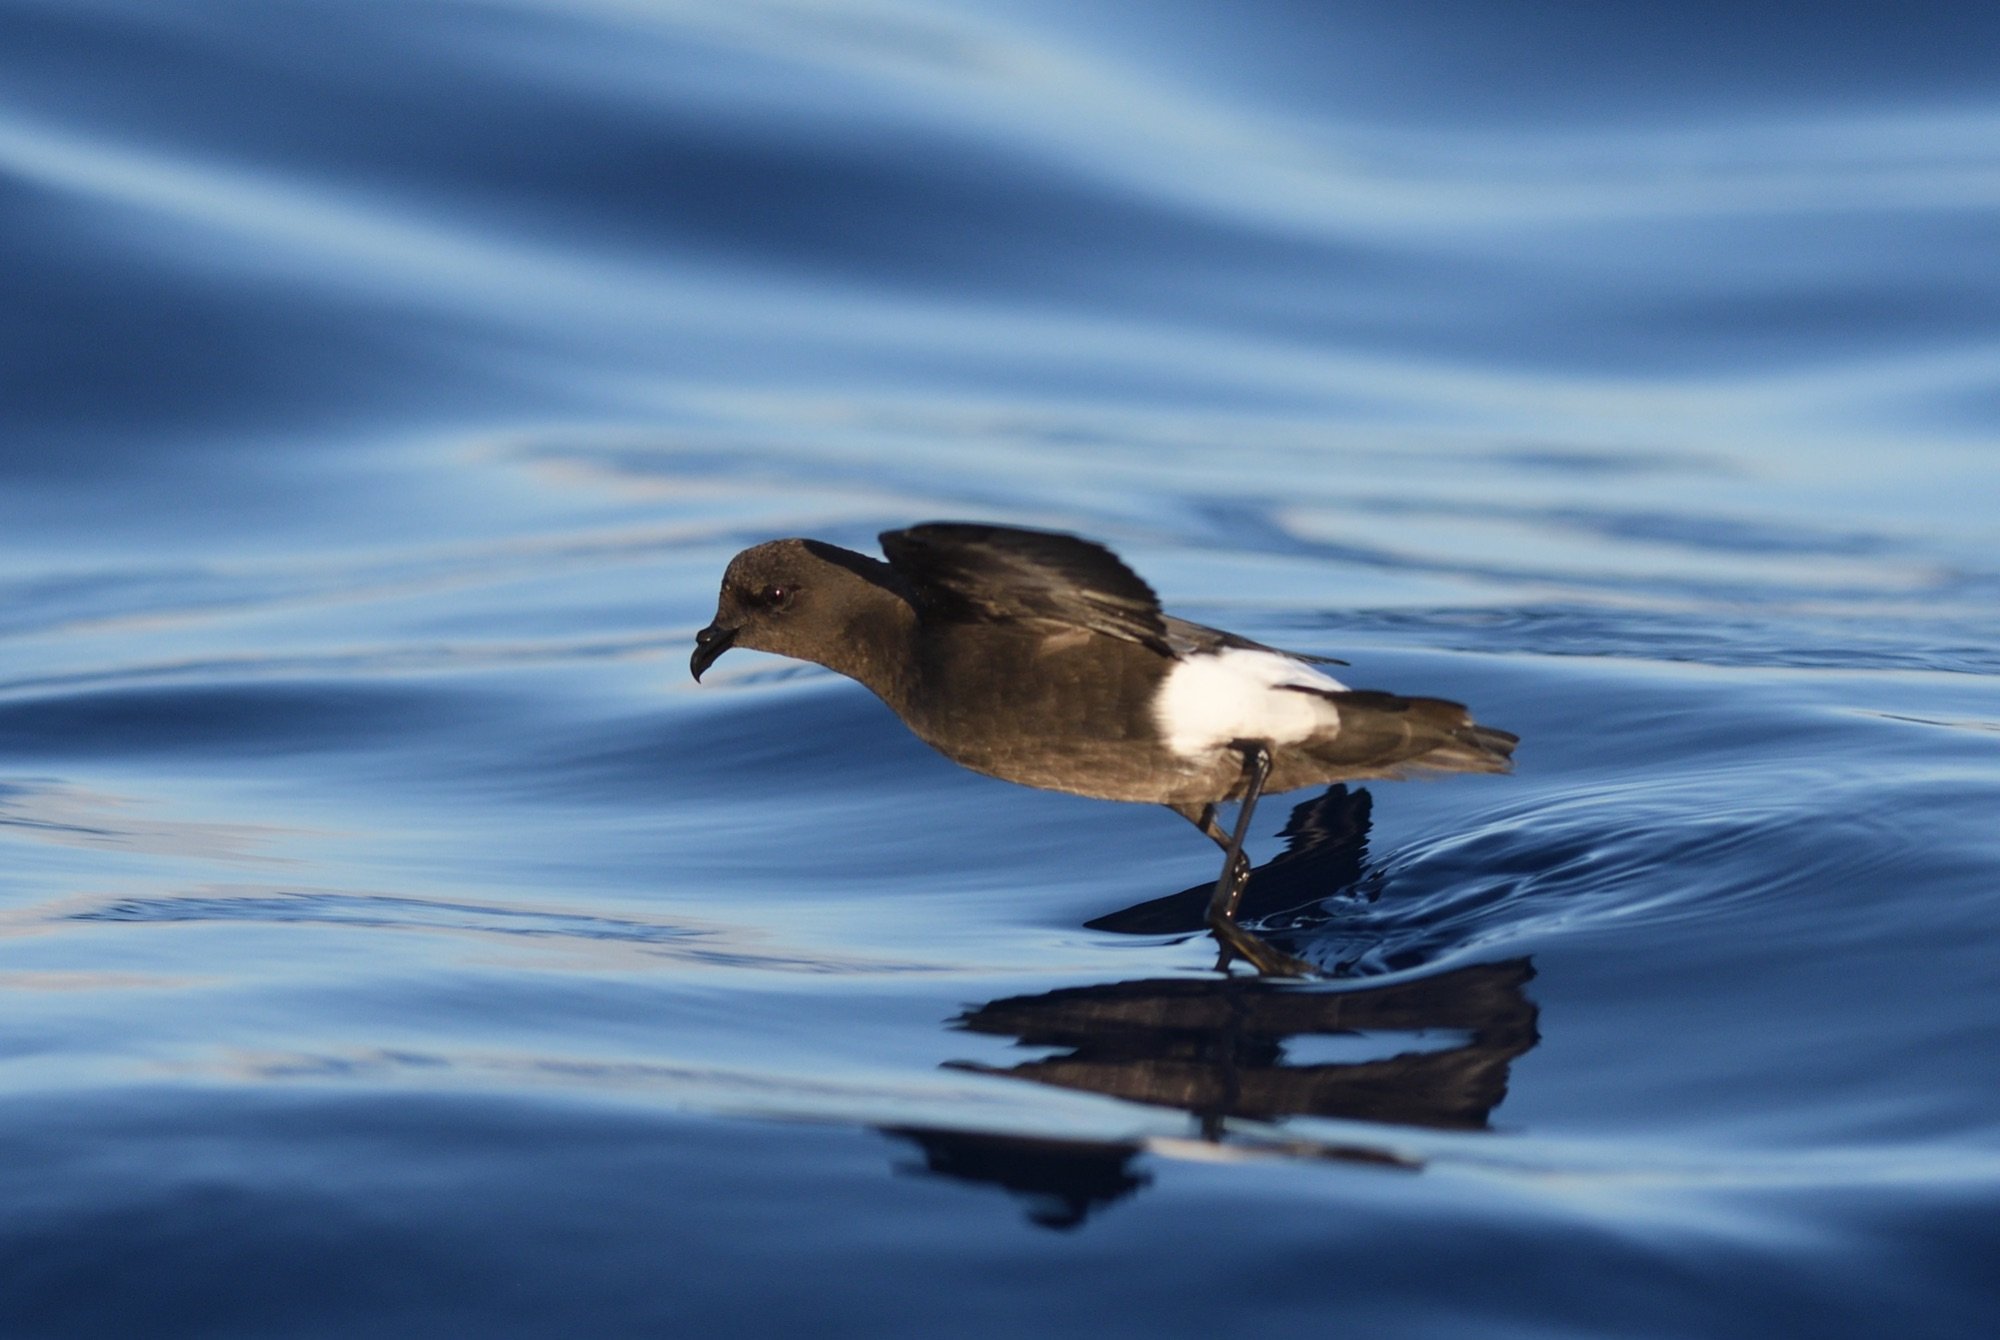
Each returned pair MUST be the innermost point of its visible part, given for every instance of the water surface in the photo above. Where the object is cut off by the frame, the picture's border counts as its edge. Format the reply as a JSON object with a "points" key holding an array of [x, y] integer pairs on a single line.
{"points": [[393, 939]]}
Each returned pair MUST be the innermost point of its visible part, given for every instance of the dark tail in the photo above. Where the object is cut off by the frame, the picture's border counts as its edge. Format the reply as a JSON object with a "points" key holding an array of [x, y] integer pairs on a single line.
{"points": [[1383, 735]]}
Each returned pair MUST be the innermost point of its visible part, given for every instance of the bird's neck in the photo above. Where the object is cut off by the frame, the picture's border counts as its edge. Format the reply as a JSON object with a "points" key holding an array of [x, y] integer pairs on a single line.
{"points": [[876, 649], [876, 644]]}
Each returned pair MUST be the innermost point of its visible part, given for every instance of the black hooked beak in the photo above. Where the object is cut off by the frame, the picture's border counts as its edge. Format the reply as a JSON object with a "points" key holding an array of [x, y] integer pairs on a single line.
{"points": [[710, 643]]}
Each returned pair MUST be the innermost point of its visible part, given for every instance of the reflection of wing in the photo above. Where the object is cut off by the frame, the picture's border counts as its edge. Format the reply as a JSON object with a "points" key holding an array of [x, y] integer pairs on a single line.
{"points": [[1063, 1181], [1326, 854], [1216, 1048], [964, 570]]}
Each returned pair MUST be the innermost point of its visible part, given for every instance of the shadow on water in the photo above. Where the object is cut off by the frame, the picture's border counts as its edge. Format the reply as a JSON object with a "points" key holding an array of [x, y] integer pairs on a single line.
{"points": [[1320, 899], [1325, 857], [1434, 1053]]}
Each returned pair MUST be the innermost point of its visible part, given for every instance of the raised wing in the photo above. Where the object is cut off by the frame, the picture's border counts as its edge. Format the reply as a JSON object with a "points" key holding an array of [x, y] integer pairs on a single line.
{"points": [[1189, 638], [964, 570]]}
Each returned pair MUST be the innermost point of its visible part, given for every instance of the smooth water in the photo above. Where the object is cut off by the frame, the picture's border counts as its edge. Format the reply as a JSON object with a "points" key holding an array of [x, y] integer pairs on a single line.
{"points": [[394, 941]]}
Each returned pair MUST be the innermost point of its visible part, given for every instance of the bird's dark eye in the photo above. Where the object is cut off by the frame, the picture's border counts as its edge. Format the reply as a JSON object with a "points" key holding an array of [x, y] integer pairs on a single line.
{"points": [[775, 597]]}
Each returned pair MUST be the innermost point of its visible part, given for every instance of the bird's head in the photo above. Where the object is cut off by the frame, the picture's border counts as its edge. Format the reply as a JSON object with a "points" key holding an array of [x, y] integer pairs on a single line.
{"points": [[793, 598]]}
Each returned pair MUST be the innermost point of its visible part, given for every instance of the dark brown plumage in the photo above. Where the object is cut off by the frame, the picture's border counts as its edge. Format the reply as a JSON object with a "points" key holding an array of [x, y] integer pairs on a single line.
{"points": [[1042, 659]]}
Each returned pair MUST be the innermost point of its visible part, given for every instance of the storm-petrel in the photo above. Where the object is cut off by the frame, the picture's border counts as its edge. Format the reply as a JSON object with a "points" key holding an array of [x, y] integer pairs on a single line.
{"points": [[1040, 658]]}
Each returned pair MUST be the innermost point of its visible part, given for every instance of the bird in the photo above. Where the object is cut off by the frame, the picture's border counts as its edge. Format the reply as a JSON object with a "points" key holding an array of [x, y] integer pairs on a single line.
{"points": [[1039, 657]]}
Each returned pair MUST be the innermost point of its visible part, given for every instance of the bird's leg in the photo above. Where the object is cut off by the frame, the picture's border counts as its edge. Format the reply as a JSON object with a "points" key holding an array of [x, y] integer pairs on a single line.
{"points": [[1222, 905], [1203, 818], [1228, 893]]}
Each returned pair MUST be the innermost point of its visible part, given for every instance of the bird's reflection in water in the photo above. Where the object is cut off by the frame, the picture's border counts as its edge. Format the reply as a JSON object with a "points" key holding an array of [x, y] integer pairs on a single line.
{"points": [[1432, 1052], [1061, 1181]]}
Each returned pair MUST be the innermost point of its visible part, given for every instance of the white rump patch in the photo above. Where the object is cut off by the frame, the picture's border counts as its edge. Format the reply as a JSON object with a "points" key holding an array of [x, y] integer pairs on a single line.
{"points": [[1236, 693]]}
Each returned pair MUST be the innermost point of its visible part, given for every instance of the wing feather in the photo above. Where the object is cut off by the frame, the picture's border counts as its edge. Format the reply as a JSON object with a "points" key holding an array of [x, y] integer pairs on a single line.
{"points": [[966, 570]]}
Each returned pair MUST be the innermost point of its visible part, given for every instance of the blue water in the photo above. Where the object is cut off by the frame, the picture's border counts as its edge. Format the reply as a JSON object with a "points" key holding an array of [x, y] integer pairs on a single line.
{"points": [[394, 941]]}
